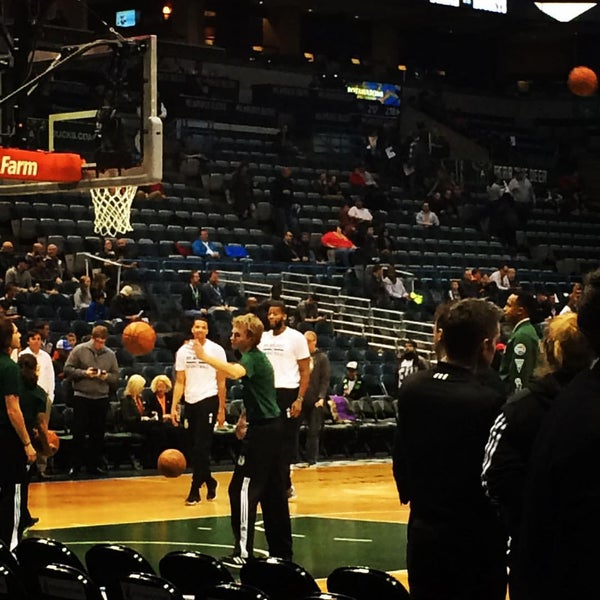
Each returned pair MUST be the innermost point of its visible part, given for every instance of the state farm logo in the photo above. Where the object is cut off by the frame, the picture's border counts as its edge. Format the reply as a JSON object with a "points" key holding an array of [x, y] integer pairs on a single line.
{"points": [[25, 168]]}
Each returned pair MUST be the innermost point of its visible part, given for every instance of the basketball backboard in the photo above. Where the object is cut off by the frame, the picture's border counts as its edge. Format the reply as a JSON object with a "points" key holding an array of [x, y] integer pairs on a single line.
{"points": [[97, 101]]}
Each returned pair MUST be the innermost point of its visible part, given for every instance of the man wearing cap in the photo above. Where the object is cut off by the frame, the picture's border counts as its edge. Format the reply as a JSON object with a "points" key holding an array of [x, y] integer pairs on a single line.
{"points": [[351, 387], [124, 306], [91, 368]]}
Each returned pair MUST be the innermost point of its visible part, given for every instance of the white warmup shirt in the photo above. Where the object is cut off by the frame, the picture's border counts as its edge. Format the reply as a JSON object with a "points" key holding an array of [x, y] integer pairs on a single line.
{"points": [[200, 377], [284, 351]]}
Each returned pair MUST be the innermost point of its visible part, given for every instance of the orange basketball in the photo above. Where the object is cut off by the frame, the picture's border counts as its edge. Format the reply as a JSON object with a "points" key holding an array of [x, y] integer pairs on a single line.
{"points": [[139, 338], [171, 463], [53, 443], [583, 81]]}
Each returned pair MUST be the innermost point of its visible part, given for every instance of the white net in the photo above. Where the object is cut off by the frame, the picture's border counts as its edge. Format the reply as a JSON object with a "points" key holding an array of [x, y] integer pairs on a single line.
{"points": [[112, 209]]}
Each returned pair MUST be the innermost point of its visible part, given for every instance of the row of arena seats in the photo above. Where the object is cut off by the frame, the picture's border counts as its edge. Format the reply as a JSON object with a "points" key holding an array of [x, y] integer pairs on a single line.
{"points": [[368, 431], [46, 569]]}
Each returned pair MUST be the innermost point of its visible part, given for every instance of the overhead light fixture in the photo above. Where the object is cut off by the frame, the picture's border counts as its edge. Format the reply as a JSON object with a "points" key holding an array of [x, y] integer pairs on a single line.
{"points": [[355, 61], [167, 11], [565, 11]]}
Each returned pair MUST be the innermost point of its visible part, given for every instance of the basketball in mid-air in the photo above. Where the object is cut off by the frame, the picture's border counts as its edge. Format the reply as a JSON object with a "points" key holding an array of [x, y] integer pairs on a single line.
{"points": [[583, 81], [139, 338], [171, 463]]}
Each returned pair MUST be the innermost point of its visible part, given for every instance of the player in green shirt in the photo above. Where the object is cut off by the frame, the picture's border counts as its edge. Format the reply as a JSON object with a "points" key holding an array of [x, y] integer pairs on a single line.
{"points": [[259, 474]]}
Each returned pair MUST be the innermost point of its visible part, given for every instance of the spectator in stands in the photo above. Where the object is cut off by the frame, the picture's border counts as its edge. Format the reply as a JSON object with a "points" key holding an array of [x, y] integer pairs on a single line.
{"points": [[410, 361], [500, 278], [59, 358], [470, 286], [394, 287], [7, 257], [191, 298], [97, 310], [359, 215], [522, 350], [346, 224], [240, 188], [82, 297], [303, 249], [204, 247], [284, 250], [496, 188], [351, 386], [335, 240], [573, 299], [20, 276], [143, 415], [522, 191], [512, 279], [489, 290], [36, 253], [71, 337], [426, 218], [55, 265], [565, 352], [92, 368], [124, 306], [546, 307], [558, 553], [43, 327], [9, 308], [162, 389], [213, 296], [454, 294], [385, 245], [375, 288], [126, 253], [444, 417], [333, 187], [357, 178], [282, 199], [314, 398], [307, 311]]}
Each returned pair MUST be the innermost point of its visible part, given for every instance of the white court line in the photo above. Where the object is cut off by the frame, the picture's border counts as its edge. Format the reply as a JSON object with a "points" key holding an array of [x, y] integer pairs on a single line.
{"points": [[336, 539], [204, 528]]}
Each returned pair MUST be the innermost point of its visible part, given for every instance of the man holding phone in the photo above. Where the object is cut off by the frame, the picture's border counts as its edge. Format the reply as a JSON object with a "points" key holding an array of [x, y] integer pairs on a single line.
{"points": [[91, 368]]}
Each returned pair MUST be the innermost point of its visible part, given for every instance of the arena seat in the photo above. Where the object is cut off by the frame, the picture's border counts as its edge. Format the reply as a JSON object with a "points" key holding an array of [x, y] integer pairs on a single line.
{"points": [[107, 564], [11, 584], [191, 571], [231, 591], [279, 579], [138, 586], [62, 582], [364, 583]]}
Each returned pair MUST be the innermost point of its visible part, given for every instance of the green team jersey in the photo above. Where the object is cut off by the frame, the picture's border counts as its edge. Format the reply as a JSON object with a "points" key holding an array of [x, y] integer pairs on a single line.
{"points": [[520, 357], [10, 377], [259, 386], [32, 399]]}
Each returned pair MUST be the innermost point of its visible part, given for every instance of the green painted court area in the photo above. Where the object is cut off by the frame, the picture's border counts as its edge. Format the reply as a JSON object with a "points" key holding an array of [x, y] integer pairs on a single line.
{"points": [[320, 544]]}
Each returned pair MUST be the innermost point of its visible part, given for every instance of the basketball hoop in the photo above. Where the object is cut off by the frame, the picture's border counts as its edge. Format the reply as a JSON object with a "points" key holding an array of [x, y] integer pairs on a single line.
{"points": [[112, 209]]}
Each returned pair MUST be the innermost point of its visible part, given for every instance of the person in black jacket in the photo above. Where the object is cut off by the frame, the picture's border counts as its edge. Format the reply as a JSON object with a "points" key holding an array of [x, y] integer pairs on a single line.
{"points": [[313, 406], [558, 552], [566, 353], [191, 298], [456, 543]]}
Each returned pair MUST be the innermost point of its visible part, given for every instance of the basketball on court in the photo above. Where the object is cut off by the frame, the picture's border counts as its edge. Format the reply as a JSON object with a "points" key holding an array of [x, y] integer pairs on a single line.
{"points": [[583, 81], [171, 463], [139, 338]]}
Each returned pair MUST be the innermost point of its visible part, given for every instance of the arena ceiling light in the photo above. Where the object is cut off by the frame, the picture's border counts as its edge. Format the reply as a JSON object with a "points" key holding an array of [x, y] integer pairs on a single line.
{"points": [[565, 11]]}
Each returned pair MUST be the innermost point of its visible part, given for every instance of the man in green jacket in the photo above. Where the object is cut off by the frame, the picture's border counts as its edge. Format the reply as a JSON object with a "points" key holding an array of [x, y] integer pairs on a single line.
{"points": [[523, 348]]}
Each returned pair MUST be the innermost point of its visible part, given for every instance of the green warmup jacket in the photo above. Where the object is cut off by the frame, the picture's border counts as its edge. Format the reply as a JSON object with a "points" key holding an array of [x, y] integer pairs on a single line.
{"points": [[520, 357]]}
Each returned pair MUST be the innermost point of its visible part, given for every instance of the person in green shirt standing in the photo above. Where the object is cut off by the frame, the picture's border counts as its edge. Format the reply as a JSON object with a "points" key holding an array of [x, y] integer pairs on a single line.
{"points": [[15, 444], [523, 348], [260, 471]]}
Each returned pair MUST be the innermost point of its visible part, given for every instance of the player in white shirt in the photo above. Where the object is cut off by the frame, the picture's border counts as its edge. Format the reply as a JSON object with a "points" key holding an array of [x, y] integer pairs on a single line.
{"points": [[204, 391], [287, 351]]}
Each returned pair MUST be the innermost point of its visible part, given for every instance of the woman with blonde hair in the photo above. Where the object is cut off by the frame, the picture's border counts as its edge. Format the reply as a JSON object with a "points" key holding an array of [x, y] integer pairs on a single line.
{"points": [[144, 416], [161, 388], [565, 353]]}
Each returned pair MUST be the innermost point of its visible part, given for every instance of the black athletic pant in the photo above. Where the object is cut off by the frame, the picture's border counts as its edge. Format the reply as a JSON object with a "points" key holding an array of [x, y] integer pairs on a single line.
{"points": [[12, 473], [259, 477], [291, 429], [89, 418], [201, 418], [314, 417], [458, 561]]}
